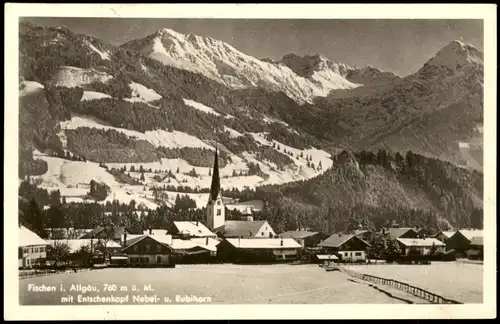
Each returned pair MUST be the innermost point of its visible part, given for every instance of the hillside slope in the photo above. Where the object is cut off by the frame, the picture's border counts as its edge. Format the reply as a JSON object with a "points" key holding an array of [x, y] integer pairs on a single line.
{"points": [[366, 189]]}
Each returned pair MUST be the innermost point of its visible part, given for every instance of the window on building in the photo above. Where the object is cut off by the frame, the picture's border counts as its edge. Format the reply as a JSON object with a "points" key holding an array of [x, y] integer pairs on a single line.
{"points": [[262, 234], [219, 212], [148, 247], [42, 249], [358, 254], [158, 259], [135, 248], [218, 202]]}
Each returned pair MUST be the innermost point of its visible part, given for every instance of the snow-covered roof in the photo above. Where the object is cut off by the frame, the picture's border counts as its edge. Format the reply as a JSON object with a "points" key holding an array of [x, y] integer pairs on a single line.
{"points": [[469, 234], [338, 239], [264, 243], [193, 228], [477, 240], [297, 234], [232, 228], [179, 244], [420, 242], [29, 238], [77, 244]]}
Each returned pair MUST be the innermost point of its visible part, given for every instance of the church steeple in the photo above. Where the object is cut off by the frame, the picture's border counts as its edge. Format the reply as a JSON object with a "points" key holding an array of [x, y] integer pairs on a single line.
{"points": [[215, 187], [215, 205]]}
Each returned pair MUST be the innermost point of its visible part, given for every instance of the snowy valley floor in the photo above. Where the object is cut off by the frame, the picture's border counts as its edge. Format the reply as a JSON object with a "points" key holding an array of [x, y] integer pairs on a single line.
{"points": [[459, 281], [228, 283]]}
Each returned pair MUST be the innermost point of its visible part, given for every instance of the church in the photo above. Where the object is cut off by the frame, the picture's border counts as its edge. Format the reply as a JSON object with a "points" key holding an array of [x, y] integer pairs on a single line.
{"points": [[216, 221], [244, 240]]}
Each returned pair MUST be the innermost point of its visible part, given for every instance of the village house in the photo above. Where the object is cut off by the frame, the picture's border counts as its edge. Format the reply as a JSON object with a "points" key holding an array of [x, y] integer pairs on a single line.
{"points": [[475, 250], [195, 249], [32, 248], [348, 247], [399, 232], [443, 236], [258, 250], [146, 250], [459, 242], [304, 237], [421, 246]]}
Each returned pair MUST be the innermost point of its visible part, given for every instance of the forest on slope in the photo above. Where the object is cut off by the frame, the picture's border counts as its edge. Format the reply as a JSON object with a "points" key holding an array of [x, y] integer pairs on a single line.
{"points": [[367, 189]]}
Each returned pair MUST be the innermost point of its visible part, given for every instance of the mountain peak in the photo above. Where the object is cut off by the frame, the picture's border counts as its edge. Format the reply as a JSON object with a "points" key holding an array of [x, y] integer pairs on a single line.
{"points": [[307, 65], [167, 32], [456, 55]]}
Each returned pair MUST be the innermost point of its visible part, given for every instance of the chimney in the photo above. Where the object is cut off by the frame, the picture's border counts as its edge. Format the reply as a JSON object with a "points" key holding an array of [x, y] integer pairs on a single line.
{"points": [[150, 231], [124, 239], [196, 223]]}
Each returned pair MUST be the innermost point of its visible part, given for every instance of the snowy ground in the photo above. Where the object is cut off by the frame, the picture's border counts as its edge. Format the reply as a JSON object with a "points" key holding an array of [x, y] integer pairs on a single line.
{"points": [[456, 280], [223, 283]]}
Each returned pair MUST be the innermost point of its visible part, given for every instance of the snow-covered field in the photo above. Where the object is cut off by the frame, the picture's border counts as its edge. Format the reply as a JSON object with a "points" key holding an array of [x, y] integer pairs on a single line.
{"points": [[201, 107], [456, 280], [223, 283], [93, 95], [143, 93], [157, 137]]}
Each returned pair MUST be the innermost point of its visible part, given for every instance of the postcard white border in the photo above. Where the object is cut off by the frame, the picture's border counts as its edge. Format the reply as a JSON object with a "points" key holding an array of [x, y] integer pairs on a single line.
{"points": [[13, 311]]}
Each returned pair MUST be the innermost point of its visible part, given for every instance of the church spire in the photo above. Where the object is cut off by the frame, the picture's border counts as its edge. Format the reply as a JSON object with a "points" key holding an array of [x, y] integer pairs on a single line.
{"points": [[215, 187]]}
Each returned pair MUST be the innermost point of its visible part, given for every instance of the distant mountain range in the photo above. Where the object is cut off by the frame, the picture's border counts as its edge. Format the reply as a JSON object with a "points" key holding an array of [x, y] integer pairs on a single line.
{"points": [[160, 102]]}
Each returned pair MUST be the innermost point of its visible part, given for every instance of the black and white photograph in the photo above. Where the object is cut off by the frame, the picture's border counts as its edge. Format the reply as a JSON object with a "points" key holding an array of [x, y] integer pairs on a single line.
{"points": [[168, 160]]}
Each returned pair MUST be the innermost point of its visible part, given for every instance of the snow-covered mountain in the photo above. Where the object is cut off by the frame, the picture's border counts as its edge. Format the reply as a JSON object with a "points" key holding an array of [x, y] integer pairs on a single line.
{"points": [[128, 107], [428, 112], [223, 63], [321, 69]]}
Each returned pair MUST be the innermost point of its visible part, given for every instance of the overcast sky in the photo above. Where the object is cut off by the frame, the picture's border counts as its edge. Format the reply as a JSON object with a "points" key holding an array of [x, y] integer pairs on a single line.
{"points": [[400, 46]]}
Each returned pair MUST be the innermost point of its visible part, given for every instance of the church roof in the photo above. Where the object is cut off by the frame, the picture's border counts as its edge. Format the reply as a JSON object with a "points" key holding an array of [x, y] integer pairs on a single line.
{"points": [[215, 187], [240, 228]]}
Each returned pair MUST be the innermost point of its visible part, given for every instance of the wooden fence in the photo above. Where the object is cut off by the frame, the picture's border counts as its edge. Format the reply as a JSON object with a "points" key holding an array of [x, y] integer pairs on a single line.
{"points": [[413, 290]]}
